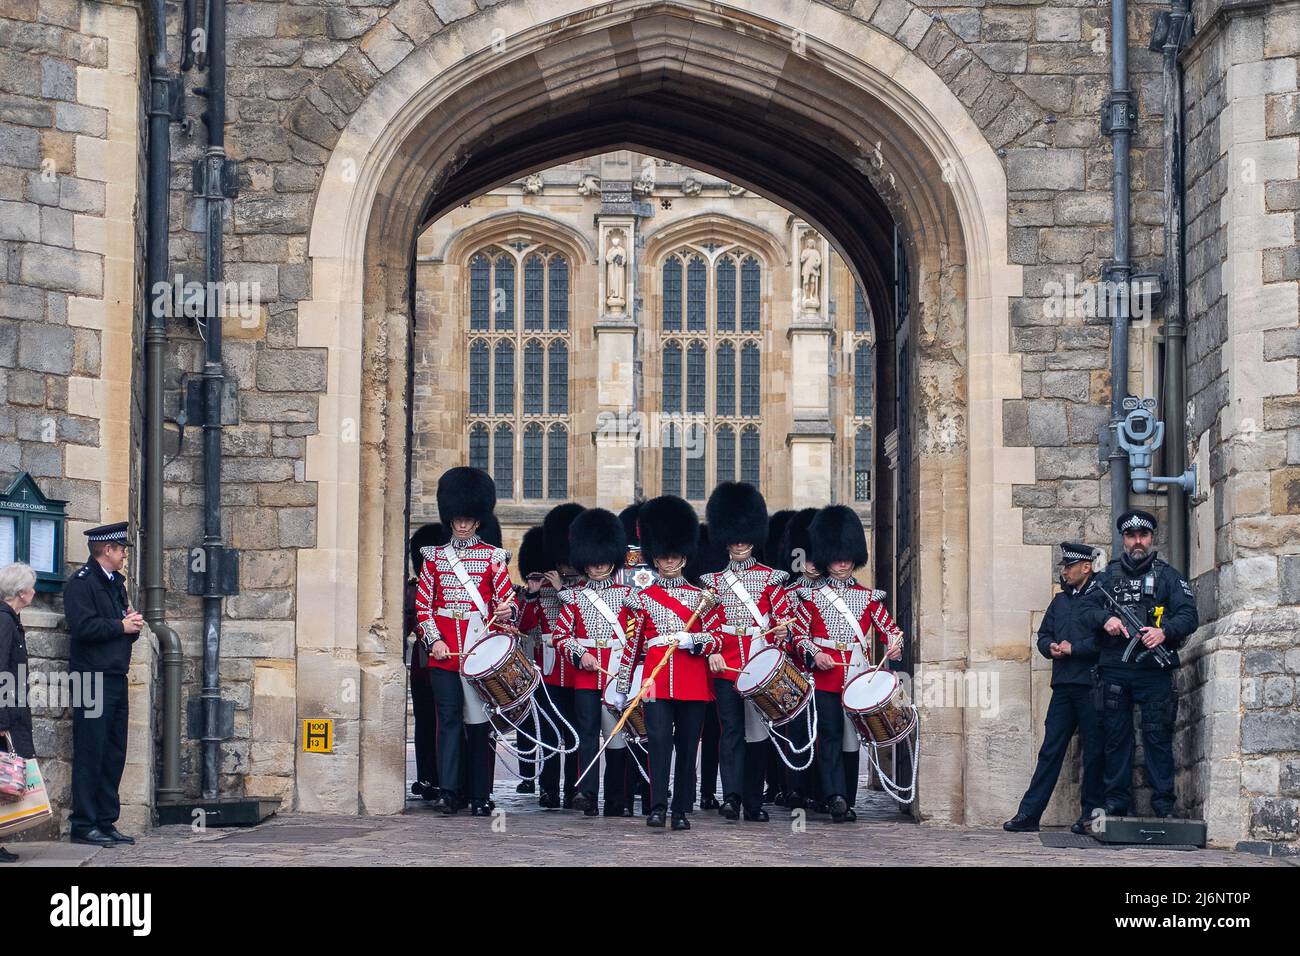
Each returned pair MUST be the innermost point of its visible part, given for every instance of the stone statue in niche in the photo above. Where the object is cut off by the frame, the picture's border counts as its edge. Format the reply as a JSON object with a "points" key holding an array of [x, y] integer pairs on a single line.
{"points": [[589, 186], [691, 186], [810, 273], [533, 184], [615, 274]]}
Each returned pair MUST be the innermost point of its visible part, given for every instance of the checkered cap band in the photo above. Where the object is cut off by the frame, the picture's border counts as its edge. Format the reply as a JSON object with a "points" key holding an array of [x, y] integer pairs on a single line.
{"points": [[1136, 522]]}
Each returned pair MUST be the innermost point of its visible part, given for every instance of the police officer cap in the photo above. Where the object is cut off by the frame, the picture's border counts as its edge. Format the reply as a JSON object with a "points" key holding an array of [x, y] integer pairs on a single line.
{"points": [[115, 532], [1072, 552], [1136, 520]]}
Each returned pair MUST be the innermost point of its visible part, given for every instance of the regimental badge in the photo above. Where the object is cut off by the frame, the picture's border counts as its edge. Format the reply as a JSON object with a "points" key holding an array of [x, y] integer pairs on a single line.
{"points": [[643, 577]]}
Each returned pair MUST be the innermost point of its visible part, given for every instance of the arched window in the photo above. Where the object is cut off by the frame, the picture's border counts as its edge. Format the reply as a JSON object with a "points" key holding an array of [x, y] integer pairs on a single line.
{"points": [[520, 346], [863, 356], [855, 439], [711, 375]]}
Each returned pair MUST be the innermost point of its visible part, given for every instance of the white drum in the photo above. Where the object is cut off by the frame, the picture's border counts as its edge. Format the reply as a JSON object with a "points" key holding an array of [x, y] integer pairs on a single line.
{"points": [[777, 689], [877, 706], [501, 673], [635, 727]]}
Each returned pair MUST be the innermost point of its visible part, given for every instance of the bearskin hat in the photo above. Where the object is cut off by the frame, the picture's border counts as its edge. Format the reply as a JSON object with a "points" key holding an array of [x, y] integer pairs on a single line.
{"points": [[532, 552], [668, 526], [795, 543], [427, 536], [555, 527], [628, 516], [737, 514], [775, 532], [837, 535], [710, 557], [596, 537], [466, 493]]}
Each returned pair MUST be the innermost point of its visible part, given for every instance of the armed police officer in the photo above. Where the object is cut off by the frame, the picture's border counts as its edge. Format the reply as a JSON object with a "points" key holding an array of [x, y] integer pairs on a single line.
{"points": [[1147, 611], [1070, 643]]}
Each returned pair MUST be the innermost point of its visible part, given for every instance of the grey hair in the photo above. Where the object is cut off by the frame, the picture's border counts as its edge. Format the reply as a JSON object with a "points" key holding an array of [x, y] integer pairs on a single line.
{"points": [[15, 579]]}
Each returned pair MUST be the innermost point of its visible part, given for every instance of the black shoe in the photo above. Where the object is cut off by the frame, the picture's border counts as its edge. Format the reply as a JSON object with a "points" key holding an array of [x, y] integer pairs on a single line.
{"points": [[7, 857], [117, 836], [480, 808], [567, 802], [93, 837], [818, 806], [1080, 826], [446, 804], [628, 812], [778, 798], [587, 803], [417, 789], [1021, 824], [526, 786], [770, 795], [680, 822], [730, 808], [839, 808], [708, 803], [548, 801], [757, 816], [850, 815], [657, 818], [795, 801]]}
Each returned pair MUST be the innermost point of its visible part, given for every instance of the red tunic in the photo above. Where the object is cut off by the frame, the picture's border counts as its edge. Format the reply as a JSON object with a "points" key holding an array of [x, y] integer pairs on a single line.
{"points": [[540, 617], [765, 588], [663, 609], [439, 589], [581, 624], [819, 619]]}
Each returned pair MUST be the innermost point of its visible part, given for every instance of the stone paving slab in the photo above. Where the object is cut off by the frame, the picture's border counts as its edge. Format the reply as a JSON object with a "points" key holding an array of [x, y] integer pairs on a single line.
{"points": [[524, 835], [49, 853]]}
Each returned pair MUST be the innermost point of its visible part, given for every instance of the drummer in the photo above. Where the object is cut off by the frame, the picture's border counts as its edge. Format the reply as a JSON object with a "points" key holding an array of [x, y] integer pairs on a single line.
{"points": [[681, 690], [463, 588], [541, 613], [531, 560], [592, 632], [801, 786], [837, 618], [752, 615]]}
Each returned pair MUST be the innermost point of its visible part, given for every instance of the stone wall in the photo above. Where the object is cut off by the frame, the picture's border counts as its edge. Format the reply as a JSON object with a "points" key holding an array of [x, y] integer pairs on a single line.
{"points": [[1240, 727]]}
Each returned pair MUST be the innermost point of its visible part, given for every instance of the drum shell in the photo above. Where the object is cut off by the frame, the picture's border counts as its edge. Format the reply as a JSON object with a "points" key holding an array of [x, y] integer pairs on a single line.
{"points": [[885, 722], [783, 695], [509, 684]]}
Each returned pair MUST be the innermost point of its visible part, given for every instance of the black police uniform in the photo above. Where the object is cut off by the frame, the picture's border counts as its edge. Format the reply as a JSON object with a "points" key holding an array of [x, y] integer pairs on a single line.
{"points": [[1072, 706], [1141, 588], [94, 606]]}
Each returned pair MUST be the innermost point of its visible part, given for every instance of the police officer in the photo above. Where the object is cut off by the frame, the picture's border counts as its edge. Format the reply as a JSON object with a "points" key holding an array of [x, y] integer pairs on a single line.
{"points": [[102, 627], [1071, 644], [1138, 661]]}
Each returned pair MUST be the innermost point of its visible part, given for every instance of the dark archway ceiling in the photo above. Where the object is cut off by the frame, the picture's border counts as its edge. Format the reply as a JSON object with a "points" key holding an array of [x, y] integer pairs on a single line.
{"points": [[768, 153]]}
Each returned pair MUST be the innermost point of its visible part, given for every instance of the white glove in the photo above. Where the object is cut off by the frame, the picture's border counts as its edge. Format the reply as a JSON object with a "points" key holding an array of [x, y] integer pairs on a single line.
{"points": [[685, 640], [619, 699]]}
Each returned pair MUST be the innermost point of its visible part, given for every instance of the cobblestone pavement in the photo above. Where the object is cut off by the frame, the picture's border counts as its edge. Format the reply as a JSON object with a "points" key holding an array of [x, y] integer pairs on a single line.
{"points": [[523, 834]]}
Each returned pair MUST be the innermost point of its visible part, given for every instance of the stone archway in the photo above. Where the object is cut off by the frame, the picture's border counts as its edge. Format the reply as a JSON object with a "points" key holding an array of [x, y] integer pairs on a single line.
{"points": [[869, 133]]}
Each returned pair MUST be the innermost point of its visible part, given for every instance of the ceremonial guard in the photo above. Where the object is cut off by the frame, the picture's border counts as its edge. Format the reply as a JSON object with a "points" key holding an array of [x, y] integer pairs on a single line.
{"points": [[778, 774], [1069, 640], [792, 558], [672, 632], [709, 557], [532, 570], [424, 714], [464, 589], [102, 628], [1146, 611], [592, 632], [635, 571], [834, 627], [541, 614], [753, 614]]}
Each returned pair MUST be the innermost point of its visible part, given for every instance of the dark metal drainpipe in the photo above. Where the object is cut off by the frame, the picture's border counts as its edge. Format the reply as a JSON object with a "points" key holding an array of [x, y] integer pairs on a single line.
{"points": [[162, 87], [1175, 398], [214, 193], [1118, 122]]}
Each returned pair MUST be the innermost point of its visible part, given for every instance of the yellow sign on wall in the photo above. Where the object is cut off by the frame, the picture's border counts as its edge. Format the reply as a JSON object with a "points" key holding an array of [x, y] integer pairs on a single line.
{"points": [[318, 736]]}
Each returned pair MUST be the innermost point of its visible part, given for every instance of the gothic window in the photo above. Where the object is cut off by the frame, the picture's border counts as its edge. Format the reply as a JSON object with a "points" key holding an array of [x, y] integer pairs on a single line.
{"points": [[710, 359], [518, 369], [856, 440], [862, 464]]}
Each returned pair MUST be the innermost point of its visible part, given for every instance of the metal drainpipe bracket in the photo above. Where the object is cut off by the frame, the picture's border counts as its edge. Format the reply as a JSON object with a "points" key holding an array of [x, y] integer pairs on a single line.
{"points": [[1172, 28], [1119, 113]]}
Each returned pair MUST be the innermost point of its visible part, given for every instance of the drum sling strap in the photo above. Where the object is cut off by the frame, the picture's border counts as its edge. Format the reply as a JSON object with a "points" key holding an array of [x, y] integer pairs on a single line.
{"points": [[837, 602], [738, 589], [599, 604]]}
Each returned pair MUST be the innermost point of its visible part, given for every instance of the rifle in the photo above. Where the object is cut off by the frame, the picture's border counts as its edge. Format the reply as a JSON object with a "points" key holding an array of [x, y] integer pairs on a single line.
{"points": [[1163, 657]]}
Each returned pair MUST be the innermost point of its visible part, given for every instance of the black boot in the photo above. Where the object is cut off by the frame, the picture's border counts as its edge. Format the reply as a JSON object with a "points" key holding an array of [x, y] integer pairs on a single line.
{"points": [[680, 822], [526, 786], [657, 818], [731, 807], [838, 808], [7, 857], [1021, 823]]}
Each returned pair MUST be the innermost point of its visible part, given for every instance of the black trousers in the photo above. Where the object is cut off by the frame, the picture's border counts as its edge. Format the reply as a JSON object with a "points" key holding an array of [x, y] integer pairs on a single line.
{"points": [[673, 726], [462, 748], [743, 764], [562, 698], [587, 707], [836, 770], [710, 742], [426, 728], [1153, 691], [1071, 708], [98, 755]]}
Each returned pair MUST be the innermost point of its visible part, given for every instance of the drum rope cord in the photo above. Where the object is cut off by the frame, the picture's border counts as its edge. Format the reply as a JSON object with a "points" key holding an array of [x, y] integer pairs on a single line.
{"points": [[631, 752], [809, 748], [568, 726], [900, 794]]}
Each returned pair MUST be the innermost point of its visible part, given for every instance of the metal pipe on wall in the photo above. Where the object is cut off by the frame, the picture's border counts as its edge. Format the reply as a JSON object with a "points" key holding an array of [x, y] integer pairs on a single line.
{"points": [[1118, 123], [158, 174]]}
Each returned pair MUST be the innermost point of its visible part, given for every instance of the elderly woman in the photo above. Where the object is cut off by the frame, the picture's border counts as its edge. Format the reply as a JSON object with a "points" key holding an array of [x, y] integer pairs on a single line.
{"points": [[17, 588]]}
